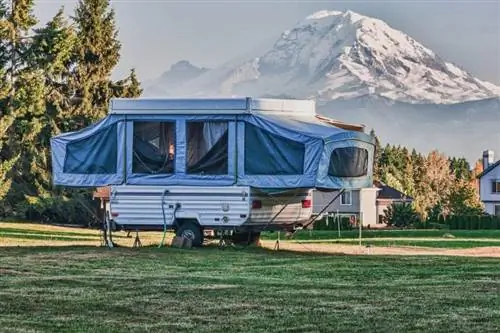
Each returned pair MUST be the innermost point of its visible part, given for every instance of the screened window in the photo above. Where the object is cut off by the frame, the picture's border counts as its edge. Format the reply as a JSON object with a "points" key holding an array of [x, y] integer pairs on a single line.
{"points": [[346, 198], [207, 148], [153, 147], [270, 154], [348, 162], [96, 154]]}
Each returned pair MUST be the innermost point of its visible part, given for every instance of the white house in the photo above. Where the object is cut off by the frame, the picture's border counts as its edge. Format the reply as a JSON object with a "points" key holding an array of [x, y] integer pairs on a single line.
{"points": [[489, 184], [367, 204]]}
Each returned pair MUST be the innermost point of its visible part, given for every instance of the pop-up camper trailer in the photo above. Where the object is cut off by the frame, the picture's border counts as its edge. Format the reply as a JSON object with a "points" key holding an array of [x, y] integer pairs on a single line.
{"points": [[239, 164]]}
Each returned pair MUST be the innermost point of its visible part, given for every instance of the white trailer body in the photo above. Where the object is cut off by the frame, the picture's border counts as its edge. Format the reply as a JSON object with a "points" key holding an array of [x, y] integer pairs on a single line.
{"points": [[134, 207]]}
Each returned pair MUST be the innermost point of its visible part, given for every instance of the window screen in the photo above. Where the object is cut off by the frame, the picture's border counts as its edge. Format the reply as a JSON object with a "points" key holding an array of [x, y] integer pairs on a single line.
{"points": [[348, 162], [270, 154], [207, 148], [96, 154], [154, 147]]}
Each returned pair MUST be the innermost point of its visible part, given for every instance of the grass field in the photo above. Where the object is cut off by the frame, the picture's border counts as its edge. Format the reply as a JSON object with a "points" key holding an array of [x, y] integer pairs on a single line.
{"points": [[89, 289], [56, 279]]}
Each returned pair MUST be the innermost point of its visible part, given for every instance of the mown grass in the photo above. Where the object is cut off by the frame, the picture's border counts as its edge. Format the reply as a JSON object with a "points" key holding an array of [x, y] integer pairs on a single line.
{"points": [[52, 235], [442, 243], [207, 290], [333, 234], [31, 234]]}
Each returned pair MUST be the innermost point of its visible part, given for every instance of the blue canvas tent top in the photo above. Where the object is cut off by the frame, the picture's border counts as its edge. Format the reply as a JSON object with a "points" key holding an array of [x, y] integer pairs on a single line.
{"points": [[263, 143]]}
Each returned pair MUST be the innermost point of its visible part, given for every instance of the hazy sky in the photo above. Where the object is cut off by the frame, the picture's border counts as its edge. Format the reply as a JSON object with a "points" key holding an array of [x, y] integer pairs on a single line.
{"points": [[157, 33]]}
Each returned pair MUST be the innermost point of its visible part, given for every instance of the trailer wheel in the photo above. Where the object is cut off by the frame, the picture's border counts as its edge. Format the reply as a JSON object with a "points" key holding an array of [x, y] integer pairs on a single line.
{"points": [[191, 231]]}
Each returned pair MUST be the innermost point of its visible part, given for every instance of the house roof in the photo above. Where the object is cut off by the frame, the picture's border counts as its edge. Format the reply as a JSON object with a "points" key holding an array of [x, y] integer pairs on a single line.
{"points": [[488, 169], [390, 193]]}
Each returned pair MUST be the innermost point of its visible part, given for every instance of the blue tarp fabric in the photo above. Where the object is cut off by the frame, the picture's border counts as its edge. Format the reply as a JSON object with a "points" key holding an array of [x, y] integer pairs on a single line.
{"points": [[262, 151]]}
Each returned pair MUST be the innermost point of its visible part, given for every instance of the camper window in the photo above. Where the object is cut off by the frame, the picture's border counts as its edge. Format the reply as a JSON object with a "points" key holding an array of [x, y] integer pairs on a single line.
{"points": [[348, 162], [207, 148], [153, 147], [270, 154], [95, 154]]}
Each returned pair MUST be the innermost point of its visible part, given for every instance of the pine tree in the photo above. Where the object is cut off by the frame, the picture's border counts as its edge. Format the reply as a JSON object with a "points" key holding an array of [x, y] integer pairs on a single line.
{"points": [[460, 168], [50, 56], [18, 98], [6, 118], [130, 87], [96, 55]]}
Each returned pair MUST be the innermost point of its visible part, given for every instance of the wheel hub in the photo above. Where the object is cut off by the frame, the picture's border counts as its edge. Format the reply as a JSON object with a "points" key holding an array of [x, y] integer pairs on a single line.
{"points": [[189, 234]]}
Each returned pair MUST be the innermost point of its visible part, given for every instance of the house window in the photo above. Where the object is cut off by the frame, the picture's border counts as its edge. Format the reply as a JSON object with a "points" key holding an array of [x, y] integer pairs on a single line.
{"points": [[497, 210], [495, 188], [346, 198], [207, 148], [153, 147]]}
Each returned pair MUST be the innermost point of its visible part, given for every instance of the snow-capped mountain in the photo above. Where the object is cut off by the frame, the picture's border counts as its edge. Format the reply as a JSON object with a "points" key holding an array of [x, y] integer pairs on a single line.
{"points": [[334, 55], [179, 73]]}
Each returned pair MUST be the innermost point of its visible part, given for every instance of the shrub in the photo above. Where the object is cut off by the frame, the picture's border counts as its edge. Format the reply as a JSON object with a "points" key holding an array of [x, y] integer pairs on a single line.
{"points": [[59, 209], [401, 215]]}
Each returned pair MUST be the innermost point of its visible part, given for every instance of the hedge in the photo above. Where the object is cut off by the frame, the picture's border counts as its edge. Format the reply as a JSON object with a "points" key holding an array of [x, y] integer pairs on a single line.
{"points": [[455, 222]]}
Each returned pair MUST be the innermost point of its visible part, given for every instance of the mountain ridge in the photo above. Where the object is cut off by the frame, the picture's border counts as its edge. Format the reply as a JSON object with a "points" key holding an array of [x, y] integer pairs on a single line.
{"points": [[331, 55]]}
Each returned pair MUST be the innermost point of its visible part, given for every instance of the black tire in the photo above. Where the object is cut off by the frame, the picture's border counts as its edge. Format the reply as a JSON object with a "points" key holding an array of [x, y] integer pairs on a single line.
{"points": [[192, 231], [243, 238]]}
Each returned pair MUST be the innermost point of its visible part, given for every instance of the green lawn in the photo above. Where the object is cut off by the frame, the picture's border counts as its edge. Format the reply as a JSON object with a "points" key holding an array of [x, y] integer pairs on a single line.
{"points": [[90, 289], [441, 243], [333, 234]]}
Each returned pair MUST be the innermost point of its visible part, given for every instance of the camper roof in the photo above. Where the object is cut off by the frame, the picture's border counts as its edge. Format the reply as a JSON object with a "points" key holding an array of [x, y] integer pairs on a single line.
{"points": [[236, 105]]}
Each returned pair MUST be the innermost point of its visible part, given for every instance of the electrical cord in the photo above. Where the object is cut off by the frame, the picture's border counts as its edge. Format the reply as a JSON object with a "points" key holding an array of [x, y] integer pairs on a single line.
{"points": [[177, 205]]}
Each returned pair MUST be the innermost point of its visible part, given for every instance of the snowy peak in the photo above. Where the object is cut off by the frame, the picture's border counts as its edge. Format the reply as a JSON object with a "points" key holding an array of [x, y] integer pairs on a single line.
{"points": [[179, 73], [342, 55]]}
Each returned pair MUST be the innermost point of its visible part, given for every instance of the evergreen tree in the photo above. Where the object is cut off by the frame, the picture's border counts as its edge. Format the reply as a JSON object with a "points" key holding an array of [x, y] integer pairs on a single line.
{"points": [[19, 96], [460, 168], [95, 56], [51, 53], [56, 80], [6, 117], [130, 87]]}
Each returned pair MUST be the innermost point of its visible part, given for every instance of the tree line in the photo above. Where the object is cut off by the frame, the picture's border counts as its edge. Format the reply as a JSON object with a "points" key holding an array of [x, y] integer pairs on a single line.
{"points": [[54, 78], [439, 185]]}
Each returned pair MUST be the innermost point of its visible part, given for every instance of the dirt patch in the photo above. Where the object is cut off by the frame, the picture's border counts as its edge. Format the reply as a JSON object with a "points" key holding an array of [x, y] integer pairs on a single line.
{"points": [[383, 250]]}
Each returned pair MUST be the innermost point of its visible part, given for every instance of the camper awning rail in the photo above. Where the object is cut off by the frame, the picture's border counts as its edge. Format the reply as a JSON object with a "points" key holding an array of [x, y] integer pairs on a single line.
{"points": [[236, 105]]}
